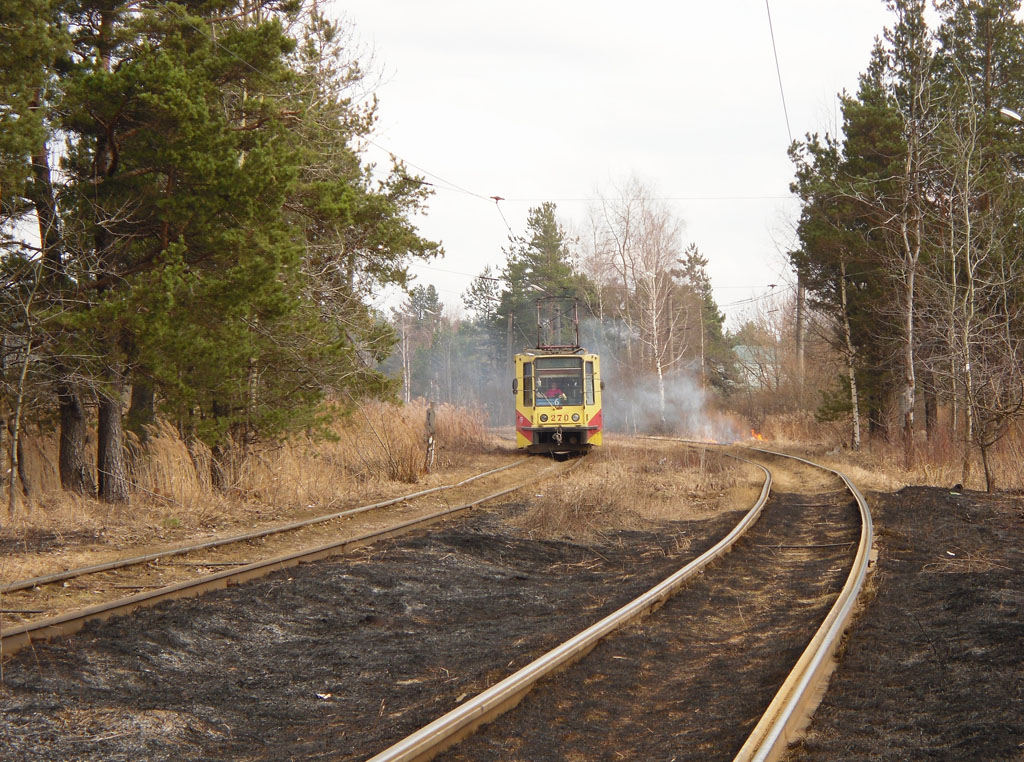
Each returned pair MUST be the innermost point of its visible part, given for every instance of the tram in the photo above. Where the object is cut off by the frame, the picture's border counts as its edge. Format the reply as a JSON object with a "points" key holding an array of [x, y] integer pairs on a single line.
{"points": [[558, 391]]}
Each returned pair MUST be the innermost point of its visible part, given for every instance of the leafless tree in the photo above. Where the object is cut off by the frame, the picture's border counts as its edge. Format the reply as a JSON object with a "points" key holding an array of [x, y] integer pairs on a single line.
{"points": [[637, 251], [17, 347], [971, 316], [914, 109]]}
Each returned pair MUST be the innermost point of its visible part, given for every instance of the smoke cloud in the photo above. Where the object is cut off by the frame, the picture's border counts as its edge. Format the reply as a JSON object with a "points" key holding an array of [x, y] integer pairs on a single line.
{"points": [[632, 400]]}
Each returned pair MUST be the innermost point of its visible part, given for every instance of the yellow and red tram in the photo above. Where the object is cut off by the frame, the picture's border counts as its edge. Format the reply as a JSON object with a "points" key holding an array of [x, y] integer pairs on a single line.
{"points": [[558, 401]]}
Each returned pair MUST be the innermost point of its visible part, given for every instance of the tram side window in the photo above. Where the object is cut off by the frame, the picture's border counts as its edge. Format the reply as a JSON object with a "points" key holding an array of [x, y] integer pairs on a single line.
{"points": [[589, 381], [528, 384]]}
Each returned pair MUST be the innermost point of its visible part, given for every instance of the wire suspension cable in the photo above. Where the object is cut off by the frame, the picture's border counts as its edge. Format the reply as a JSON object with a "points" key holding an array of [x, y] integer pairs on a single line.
{"points": [[778, 70]]}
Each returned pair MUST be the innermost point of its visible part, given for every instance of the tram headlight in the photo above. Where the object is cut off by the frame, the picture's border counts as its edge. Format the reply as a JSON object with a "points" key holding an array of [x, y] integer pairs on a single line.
{"points": [[575, 417], [543, 417]]}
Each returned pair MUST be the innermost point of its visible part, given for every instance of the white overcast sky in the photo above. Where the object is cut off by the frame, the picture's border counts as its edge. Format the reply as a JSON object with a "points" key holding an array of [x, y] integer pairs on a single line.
{"points": [[561, 99]]}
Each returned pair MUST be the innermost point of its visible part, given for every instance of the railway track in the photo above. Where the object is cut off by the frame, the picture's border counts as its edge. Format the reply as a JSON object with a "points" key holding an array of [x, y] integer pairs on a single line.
{"points": [[414, 664], [601, 731], [60, 603], [121, 563]]}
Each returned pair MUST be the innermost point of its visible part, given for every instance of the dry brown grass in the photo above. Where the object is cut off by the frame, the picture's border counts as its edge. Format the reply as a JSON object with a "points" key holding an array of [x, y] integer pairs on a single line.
{"points": [[880, 465], [374, 446], [794, 429], [1008, 460], [627, 485]]}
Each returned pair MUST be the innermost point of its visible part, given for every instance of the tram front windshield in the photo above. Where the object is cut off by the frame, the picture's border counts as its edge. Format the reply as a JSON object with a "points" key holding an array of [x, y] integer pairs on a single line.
{"points": [[559, 381]]}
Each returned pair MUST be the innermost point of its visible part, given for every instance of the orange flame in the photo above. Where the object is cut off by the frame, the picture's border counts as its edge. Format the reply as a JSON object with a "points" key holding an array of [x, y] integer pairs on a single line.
{"points": [[756, 436]]}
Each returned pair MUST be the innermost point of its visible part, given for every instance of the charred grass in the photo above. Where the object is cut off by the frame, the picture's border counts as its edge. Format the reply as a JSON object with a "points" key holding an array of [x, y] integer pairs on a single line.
{"points": [[933, 667], [336, 661], [689, 682]]}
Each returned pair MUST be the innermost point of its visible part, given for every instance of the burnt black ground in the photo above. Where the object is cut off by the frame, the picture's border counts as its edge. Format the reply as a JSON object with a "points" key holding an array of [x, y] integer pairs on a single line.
{"points": [[39, 541], [334, 660], [691, 681], [347, 656], [934, 667]]}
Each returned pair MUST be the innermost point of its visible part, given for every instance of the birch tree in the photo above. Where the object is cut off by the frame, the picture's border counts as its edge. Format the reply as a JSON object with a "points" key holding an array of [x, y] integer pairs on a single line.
{"points": [[910, 62], [972, 313], [652, 288]]}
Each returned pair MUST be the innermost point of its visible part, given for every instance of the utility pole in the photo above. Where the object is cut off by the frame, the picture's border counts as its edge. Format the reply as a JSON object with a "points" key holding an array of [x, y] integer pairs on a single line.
{"points": [[801, 295]]}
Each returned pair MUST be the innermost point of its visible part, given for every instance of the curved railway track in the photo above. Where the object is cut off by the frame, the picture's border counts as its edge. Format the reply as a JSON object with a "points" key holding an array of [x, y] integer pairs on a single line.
{"points": [[793, 704], [193, 578], [785, 716]]}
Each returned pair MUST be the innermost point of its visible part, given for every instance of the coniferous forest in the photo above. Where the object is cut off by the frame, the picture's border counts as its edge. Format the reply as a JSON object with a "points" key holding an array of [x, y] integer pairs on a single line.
{"points": [[189, 230], [191, 233]]}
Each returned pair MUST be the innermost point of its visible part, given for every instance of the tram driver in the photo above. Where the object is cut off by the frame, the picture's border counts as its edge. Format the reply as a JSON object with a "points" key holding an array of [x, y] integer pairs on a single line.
{"points": [[552, 393]]}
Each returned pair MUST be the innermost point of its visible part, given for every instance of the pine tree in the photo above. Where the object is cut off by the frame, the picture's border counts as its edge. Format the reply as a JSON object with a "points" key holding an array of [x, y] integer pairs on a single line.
{"points": [[29, 43], [716, 355], [848, 193], [217, 235], [482, 296], [538, 265]]}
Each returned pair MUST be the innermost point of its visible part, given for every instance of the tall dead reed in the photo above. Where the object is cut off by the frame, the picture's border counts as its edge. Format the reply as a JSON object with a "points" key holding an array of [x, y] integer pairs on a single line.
{"points": [[1008, 460], [168, 471], [371, 445]]}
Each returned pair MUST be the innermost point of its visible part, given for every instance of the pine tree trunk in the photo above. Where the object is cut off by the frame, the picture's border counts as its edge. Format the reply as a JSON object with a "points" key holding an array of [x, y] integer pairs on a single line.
{"points": [[110, 456], [75, 469], [220, 466], [111, 463], [142, 409]]}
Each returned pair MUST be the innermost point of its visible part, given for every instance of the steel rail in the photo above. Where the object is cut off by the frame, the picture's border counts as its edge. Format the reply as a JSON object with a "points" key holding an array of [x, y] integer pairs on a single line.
{"points": [[790, 710], [14, 639], [463, 720], [120, 563]]}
